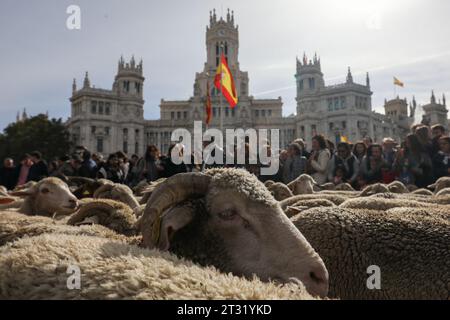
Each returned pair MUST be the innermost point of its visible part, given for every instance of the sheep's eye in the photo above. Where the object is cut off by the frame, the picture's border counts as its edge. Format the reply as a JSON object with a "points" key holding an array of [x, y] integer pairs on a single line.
{"points": [[228, 214], [45, 190]]}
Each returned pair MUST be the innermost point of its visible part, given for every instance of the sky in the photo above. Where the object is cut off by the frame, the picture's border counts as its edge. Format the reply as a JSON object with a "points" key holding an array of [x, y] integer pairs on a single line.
{"points": [[40, 56]]}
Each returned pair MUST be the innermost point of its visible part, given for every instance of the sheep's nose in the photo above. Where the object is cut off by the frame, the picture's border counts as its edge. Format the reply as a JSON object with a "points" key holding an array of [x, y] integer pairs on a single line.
{"points": [[73, 203], [317, 280]]}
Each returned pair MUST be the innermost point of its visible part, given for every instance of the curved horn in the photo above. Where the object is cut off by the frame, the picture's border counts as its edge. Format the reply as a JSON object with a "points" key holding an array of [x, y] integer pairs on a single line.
{"points": [[101, 189], [87, 210], [174, 190]]}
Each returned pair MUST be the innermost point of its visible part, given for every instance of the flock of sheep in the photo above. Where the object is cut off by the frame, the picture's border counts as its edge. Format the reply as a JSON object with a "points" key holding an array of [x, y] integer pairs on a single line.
{"points": [[223, 234]]}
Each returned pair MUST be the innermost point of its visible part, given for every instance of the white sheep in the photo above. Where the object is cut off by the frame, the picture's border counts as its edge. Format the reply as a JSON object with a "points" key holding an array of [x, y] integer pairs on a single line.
{"points": [[233, 209], [39, 267], [441, 183], [410, 250], [48, 196]]}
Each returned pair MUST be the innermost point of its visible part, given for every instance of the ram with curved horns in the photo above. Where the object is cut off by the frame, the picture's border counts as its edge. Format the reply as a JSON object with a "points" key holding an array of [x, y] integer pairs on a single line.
{"points": [[228, 219]]}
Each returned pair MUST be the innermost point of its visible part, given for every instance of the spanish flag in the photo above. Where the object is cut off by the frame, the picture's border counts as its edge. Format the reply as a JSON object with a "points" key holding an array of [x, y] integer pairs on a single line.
{"points": [[398, 82], [208, 104], [224, 82]]}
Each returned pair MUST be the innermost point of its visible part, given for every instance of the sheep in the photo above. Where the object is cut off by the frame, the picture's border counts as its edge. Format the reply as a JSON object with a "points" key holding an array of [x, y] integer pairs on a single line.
{"points": [[83, 187], [280, 191], [306, 204], [36, 268], [378, 203], [436, 212], [344, 187], [224, 228], [115, 215], [3, 191], [336, 199], [14, 225], [140, 187], [442, 192], [441, 183], [412, 252], [46, 197], [422, 191], [397, 187], [148, 191], [373, 189], [304, 184], [268, 183], [412, 187], [118, 192]]}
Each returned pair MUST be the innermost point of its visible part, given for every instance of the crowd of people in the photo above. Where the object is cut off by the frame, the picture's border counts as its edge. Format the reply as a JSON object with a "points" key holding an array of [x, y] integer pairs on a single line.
{"points": [[422, 158]]}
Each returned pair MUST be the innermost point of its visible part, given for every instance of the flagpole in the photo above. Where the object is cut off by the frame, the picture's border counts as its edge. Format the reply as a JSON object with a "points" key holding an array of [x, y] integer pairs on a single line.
{"points": [[220, 95]]}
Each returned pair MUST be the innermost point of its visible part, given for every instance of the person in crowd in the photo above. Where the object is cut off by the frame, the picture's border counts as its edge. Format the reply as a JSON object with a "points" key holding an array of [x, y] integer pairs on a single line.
{"points": [[413, 164], [53, 168], [415, 126], [132, 176], [123, 162], [23, 169], [372, 165], [98, 158], [345, 159], [150, 166], [317, 164], [437, 132], [64, 167], [39, 169], [88, 167], [359, 151], [169, 168], [441, 160], [302, 144], [423, 133], [8, 174], [339, 175], [113, 170], [75, 164], [331, 147], [295, 164], [389, 151], [210, 156], [367, 141]]}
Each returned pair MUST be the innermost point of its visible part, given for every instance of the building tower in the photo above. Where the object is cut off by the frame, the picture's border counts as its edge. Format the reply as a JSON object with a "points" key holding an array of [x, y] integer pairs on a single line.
{"points": [[129, 81], [309, 79]]}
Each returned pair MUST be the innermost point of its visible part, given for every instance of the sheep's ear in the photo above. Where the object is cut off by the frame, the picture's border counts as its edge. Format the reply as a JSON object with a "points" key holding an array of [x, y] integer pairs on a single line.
{"points": [[22, 193], [173, 220], [6, 200]]}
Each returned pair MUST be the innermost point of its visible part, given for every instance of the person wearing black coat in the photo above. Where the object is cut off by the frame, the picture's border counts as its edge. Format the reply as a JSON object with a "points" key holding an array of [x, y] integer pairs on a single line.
{"points": [[39, 169], [8, 174]]}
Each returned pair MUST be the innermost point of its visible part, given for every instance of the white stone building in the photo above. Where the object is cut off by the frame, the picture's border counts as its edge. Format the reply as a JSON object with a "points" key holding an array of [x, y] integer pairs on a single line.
{"points": [[106, 121]]}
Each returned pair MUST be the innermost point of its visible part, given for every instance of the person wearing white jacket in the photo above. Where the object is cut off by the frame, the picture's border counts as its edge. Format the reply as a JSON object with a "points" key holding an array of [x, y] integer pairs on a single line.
{"points": [[318, 160]]}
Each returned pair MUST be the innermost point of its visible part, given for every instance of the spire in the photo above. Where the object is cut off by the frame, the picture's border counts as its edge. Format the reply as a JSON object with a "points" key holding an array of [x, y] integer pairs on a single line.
{"points": [[24, 114], [74, 85], [214, 15], [46, 114], [228, 15], [305, 60], [18, 116], [86, 83], [349, 76], [367, 80], [315, 57], [232, 17], [210, 18], [433, 98], [132, 62], [443, 100]]}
